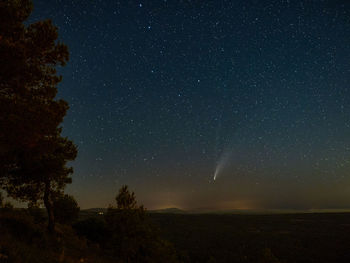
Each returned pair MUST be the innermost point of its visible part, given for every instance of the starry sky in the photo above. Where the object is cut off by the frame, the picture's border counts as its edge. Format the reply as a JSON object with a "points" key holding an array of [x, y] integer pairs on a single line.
{"points": [[164, 94]]}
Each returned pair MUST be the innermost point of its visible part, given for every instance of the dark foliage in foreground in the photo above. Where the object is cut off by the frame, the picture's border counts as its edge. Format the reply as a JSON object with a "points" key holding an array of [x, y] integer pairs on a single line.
{"points": [[123, 235], [22, 240], [94, 229], [65, 209], [126, 233], [199, 238], [33, 152]]}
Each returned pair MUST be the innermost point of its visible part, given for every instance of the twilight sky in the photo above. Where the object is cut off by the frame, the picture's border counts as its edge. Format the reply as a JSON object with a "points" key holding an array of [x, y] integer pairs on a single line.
{"points": [[165, 93]]}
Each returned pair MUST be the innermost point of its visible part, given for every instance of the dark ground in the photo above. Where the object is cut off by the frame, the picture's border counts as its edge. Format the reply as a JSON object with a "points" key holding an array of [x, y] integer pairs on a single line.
{"points": [[323, 237]]}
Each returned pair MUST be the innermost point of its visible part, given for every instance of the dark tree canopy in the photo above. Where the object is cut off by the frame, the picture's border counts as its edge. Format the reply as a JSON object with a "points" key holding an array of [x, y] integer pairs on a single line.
{"points": [[33, 153], [126, 199]]}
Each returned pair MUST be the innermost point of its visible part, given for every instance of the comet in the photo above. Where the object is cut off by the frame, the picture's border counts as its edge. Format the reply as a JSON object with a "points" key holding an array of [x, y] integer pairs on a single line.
{"points": [[215, 174], [223, 160]]}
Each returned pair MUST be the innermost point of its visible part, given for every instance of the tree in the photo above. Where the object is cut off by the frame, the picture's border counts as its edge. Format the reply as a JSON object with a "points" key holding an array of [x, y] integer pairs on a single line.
{"points": [[132, 237], [65, 209], [33, 153], [127, 201]]}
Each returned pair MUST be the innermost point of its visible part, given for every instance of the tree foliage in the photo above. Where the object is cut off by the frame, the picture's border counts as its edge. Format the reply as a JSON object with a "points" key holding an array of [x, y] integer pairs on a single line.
{"points": [[125, 200], [33, 153]]}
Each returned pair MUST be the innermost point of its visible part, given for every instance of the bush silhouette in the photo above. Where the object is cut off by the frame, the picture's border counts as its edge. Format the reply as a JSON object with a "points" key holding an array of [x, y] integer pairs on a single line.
{"points": [[93, 229], [65, 209], [36, 212]]}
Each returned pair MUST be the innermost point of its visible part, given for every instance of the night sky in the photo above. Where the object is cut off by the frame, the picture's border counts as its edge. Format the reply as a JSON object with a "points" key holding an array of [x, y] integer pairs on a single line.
{"points": [[165, 94]]}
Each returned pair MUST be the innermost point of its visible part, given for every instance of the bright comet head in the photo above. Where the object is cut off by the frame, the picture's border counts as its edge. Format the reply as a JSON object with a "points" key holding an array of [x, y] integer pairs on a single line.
{"points": [[215, 174], [224, 159]]}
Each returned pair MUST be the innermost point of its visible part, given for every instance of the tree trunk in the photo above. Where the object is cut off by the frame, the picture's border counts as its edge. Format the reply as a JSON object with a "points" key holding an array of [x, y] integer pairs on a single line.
{"points": [[49, 208]]}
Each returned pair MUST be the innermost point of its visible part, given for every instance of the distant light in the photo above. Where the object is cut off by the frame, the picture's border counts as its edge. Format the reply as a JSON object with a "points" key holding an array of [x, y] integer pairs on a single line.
{"points": [[100, 213]]}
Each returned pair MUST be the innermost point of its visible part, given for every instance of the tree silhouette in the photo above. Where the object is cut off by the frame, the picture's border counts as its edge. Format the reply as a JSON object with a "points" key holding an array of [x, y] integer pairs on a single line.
{"points": [[65, 209], [33, 153], [132, 237], [126, 200]]}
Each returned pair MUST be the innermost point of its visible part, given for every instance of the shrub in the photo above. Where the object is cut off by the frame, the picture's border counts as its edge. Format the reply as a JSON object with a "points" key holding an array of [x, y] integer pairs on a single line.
{"points": [[66, 209], [93, 229], [37, 213]]}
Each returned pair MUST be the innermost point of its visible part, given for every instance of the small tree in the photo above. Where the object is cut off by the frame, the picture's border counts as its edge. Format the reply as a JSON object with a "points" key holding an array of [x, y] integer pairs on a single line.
{"points": [[126, 200], [133, 237], [66, 209]]}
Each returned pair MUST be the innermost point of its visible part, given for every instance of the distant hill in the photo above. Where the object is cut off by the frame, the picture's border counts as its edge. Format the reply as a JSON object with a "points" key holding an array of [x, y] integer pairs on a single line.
{"points": [[172, 210], [99, 211], [94, 210]]}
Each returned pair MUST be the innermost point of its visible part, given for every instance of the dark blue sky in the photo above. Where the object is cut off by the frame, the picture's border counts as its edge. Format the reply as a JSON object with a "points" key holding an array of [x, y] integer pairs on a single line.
{"points": [[164, 93]]}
